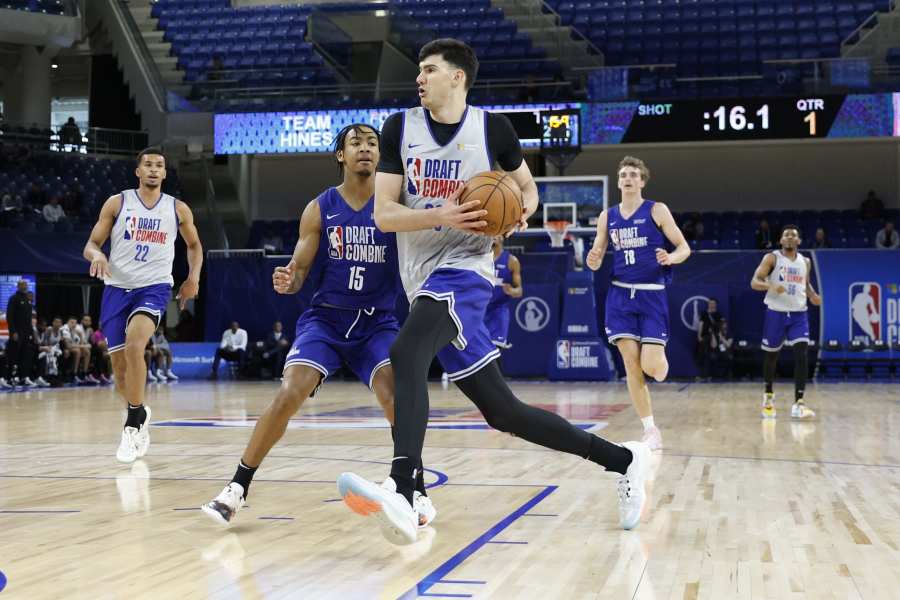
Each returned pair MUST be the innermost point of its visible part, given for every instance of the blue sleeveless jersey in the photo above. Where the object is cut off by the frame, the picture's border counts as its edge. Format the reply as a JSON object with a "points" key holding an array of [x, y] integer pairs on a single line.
{"points": [[502, 275], [358, 262], [634, 242]]}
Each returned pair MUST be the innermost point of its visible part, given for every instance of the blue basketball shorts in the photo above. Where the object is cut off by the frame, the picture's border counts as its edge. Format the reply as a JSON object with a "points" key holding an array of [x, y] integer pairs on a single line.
{"points": [[327, 338], [637, 314], [467, 295], [119, 305], [780, 328]]}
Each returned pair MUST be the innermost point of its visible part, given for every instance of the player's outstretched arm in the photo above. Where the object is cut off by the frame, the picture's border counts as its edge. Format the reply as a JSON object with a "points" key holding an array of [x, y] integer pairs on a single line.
{"points": [[191, 286], [601, 241], [99, 234], [514, 290], [289, 279], [811, 293], [663, 217], [765, 267], [390, 215]]}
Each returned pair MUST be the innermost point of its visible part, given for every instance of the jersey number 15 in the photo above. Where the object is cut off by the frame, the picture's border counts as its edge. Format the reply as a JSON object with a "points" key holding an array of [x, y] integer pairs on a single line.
{"points": [[356, 278]]}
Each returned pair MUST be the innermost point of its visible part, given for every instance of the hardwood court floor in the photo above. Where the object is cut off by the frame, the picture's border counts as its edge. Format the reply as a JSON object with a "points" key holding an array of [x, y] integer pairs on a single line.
{"points": [[739, 508]]}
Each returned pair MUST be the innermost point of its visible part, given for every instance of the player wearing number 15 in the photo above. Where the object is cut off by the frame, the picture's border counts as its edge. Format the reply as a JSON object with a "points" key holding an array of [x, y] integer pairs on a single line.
{"points": [[351, 318], [637, 311], [141, 225]]}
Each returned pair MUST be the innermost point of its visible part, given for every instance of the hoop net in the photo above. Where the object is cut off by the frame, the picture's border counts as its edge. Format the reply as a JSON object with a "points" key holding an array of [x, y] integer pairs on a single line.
{"points": [[557, 231]]}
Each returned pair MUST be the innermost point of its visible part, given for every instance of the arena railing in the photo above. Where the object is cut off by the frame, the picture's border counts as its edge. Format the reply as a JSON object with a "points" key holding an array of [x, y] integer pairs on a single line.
{"points": [[95, 140]]}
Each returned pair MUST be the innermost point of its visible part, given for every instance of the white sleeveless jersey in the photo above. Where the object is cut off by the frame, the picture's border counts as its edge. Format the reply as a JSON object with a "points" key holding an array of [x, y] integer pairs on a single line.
{"points": [[792, 274], [142, 242], [433, 173]]}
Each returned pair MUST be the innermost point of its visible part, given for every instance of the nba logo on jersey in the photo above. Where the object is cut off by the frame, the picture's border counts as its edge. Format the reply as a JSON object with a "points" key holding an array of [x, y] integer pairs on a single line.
{"points": [[336, 242], [130, 226], [413, 175], [865, 311], [562, 354]]}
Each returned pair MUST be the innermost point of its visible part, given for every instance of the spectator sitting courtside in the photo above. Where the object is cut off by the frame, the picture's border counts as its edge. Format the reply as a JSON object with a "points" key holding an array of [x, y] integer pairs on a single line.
{"points": [[233, 347], [887, 237]]}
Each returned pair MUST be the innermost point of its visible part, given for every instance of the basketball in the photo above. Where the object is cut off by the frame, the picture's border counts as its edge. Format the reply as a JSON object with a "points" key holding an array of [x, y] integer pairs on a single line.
{"points": [[500, 196]]}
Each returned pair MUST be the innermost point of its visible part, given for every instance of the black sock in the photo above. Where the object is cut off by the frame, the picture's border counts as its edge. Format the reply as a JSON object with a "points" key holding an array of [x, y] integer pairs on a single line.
{"points": [[801, 366], [403, 474], [420, 472], [136, 416], [244, 476], [770, 366], [612, 456]]}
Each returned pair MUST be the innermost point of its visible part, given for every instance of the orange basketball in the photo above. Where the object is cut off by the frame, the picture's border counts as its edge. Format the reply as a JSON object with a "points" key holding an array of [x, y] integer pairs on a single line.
{"points": [[500, 196]]}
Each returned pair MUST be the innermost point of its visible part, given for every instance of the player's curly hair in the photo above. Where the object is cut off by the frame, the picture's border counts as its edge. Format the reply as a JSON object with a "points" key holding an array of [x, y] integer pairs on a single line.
{"points": [[156, 151], [341, 140], [631, 161]]}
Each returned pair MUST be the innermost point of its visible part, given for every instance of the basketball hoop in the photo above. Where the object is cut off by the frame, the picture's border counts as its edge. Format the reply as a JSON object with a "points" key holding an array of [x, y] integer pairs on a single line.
{"points": [[557, 231]]}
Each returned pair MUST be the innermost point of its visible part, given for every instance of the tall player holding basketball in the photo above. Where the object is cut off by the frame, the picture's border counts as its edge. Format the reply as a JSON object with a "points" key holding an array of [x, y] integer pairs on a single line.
{"points": [[637, 310], [142, 225], [350, 321], [446, 266], [784, 276]]}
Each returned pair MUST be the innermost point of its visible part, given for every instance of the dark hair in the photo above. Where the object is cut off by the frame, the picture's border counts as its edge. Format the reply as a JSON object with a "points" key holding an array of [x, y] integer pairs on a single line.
{"points": [[457, 53], [150, 150], [791, 226], [341, 140]]}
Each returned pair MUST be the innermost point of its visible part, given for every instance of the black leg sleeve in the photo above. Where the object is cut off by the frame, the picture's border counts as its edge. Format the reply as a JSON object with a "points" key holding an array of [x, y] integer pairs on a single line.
{"points": [[427, 329], [770, 363], [504, 412], [801, 369]]}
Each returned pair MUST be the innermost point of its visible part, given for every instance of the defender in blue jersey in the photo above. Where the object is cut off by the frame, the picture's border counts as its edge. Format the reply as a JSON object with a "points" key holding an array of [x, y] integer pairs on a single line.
{"points": [[350, 320], [637, 310], [507, 285]]}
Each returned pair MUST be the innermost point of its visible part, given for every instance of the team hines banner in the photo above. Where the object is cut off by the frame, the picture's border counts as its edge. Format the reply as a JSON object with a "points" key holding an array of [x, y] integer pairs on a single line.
{"points": [[860, 295]]}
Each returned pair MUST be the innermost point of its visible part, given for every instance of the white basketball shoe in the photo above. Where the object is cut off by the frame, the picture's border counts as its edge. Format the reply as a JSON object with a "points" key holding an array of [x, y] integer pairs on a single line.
{"points": [[223, 507], [632, 495], [399, 522]]}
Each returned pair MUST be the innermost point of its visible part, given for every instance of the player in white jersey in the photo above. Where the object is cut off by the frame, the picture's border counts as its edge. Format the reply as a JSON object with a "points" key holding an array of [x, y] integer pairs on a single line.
{"points": [[784, 276], [141, 225], [428, 153]]}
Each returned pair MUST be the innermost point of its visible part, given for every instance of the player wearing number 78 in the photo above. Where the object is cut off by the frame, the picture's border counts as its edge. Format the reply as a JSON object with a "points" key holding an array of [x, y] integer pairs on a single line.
{"points": [[637, 311], [141, 225]]}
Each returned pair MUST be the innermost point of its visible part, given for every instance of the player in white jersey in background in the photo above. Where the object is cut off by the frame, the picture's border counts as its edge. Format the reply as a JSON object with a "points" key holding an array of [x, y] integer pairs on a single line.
{"points": [[141, 225], [784, 276]]}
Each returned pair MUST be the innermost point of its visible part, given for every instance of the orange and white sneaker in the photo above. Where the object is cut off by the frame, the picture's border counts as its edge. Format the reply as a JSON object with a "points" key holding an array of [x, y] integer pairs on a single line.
{"points": [[653, 439], [398, 520], [799, 411]]}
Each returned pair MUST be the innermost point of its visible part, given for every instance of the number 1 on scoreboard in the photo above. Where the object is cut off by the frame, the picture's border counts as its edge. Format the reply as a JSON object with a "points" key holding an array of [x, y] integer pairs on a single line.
{"points": [[811, 119]]}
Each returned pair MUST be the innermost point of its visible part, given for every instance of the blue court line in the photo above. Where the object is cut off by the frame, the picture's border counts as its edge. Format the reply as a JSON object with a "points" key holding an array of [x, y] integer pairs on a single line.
{"points": [[333, 500], [457, 559], [276, 518], [188, 508], [501, 542], [540, 515], [684, 387], [434, 595], [466, 581], [472, 427], [37, 512]]}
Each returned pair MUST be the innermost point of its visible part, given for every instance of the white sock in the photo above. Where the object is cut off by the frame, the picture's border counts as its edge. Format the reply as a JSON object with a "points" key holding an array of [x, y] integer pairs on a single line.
{"points": [[648, 422]]}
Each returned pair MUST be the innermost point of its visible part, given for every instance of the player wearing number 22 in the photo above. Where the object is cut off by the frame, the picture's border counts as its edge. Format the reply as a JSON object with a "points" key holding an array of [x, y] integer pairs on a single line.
{"points": [[141, 225], [637, 310], [350, 320]]}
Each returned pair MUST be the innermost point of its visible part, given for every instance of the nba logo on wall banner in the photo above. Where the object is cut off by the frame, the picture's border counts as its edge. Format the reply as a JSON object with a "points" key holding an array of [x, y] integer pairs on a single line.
{"points": [[865, 319], [563, 352], [335, 242], [691, 310]]}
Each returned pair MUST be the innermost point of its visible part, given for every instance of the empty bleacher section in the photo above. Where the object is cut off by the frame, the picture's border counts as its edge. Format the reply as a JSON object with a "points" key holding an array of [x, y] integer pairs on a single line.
{"points": [[49, 7], [740, 40], [271, 50]]}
